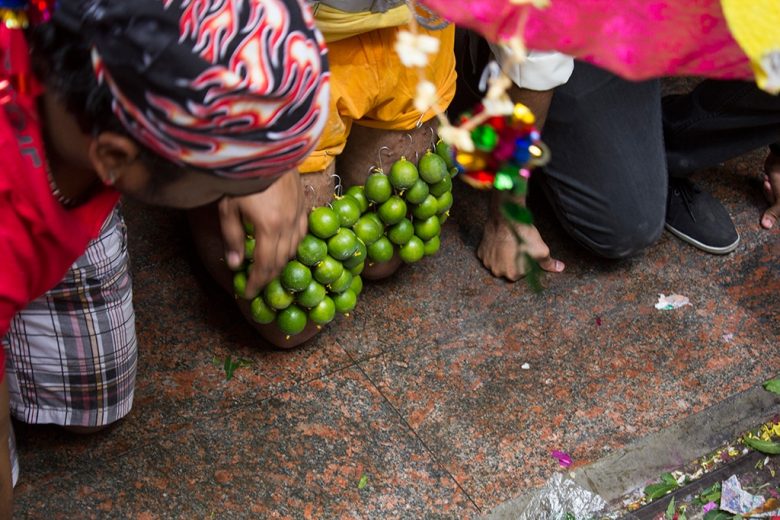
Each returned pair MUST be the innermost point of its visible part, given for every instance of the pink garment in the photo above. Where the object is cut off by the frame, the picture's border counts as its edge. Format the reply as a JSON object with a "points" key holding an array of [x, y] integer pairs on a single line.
{"points": [[636, 39]]}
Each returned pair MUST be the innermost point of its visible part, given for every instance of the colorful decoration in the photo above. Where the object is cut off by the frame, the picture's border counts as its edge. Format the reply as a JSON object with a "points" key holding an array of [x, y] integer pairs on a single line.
{"points": [[506, 150], [19, 14]]}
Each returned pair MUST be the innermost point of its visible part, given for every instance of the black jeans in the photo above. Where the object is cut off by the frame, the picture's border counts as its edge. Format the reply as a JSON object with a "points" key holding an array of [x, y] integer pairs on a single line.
{"points": [[614, 145]]}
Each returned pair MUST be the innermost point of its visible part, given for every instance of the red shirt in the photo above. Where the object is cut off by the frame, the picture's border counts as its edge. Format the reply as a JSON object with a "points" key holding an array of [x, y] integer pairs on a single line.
{"points": [[39, 238]]}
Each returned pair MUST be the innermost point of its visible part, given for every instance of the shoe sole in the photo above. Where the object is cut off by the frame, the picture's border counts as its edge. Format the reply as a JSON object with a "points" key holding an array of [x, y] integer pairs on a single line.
{"points": [[704, 247]]}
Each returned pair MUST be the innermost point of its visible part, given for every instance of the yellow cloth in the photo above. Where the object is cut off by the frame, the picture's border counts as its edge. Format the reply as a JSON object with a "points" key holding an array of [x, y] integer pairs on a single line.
{"points": [[371, 87], [335, 24], [755, 25]]}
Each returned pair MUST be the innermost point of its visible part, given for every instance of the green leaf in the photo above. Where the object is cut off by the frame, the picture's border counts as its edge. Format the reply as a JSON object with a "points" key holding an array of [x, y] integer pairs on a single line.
{"points": [[670, 510], [717, 514], [710, 494], [363, 482], [654, 491], [773, 385], [768, 447], [668, 478], [517, 213]]}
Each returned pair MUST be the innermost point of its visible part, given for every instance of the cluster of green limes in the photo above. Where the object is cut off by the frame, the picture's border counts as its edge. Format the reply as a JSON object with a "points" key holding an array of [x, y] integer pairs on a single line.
{"points": [[404, 209], [411, 203]]}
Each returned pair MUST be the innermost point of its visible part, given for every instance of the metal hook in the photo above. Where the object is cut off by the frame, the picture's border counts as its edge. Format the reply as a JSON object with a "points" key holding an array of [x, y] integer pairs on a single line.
{"points": [[411, 144], [339, 187], [433, 137], [379, 154]]}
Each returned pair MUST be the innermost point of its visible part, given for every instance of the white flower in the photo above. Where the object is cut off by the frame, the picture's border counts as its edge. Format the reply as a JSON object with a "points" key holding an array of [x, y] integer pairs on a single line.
{"points": [[425, 97], [502, 106], [413, 49], [460, 138]]}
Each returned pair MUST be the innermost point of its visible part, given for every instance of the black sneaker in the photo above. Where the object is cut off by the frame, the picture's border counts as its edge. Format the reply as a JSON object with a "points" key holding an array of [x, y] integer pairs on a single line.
{"points": [[698, 218]]}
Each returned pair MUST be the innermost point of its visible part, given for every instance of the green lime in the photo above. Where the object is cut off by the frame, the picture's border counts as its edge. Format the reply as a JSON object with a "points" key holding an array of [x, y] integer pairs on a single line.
{"points": [[295, 276], [378, 188], [443, 217], [345, 301], [444, 203], [356, 285], [428, 228], [441, 187], [249, 249], [342, 283], [358, 257], [328, 270], [323, 222], [371, 215], [432, 246], [401, 232], [312, 295], [368, 229], [239, 283], [403, 174], [412, 251], [381, 250], [343, 244], [357, 269], [291, 320], [311, 250], [324, 312], [426, 208], [249, 228], [445, 152], [358, 193], [348, 210], [276, 296], [261, 311], [432, 168], [392, 211], [417, 193]]}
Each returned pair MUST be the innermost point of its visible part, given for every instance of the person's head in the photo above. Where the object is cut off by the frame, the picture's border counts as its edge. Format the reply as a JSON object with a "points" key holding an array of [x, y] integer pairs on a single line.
{"points": [[180, 102]]}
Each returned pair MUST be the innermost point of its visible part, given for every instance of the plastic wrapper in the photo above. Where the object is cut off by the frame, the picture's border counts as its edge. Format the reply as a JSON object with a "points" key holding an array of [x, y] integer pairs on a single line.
{"points": [[562, 499]]}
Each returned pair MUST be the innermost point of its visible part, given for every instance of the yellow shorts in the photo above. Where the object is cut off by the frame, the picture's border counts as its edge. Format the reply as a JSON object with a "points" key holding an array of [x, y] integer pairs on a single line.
{"points": [[371, 87]]}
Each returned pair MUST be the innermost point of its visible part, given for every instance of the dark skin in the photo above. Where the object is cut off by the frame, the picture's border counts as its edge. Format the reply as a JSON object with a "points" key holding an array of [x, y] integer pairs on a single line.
{"points": [[498, 249], [79, 163]]}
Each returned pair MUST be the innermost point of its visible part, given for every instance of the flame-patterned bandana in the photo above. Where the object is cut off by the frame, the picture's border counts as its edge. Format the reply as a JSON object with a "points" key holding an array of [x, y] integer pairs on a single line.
{"points": [[235, 87]]}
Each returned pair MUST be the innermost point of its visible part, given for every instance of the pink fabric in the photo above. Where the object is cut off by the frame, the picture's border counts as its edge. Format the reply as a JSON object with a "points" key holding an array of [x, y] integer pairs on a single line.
{"points": [[636, 39]]}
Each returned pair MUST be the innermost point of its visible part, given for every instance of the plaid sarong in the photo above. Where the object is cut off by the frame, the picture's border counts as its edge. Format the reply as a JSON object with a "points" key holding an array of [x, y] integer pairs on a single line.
{"points": [[71, 354]]}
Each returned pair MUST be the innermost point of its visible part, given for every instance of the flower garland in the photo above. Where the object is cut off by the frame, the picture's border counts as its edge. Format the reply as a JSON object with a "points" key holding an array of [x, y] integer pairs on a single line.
{"points": [[496, 146]]}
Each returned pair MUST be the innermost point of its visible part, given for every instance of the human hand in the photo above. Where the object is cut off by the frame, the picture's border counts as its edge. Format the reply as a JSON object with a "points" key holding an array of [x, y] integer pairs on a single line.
{"points": [[279, 218], [772, 191]]}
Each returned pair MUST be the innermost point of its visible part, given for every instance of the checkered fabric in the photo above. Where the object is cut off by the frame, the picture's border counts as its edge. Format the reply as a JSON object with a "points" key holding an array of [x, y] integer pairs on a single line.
{"points": [[71, 354]]}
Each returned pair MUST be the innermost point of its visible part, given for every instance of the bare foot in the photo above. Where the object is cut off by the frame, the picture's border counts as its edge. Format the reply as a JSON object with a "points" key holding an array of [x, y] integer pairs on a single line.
{"points": [[367, 148], [204, 224], [498, 249], [772, 191]]}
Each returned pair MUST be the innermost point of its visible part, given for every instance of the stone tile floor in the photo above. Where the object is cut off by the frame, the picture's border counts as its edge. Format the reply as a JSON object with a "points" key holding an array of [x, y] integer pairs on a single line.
{"points": [[422, 389]]}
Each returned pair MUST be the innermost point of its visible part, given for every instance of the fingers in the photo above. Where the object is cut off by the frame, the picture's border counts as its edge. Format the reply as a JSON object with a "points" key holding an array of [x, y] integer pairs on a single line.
{"points": [[265, 265], [232, 233]]}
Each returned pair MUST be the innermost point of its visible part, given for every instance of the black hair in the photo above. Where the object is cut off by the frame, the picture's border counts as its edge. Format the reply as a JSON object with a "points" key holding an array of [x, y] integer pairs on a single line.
{"points": [[62, 60]]}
